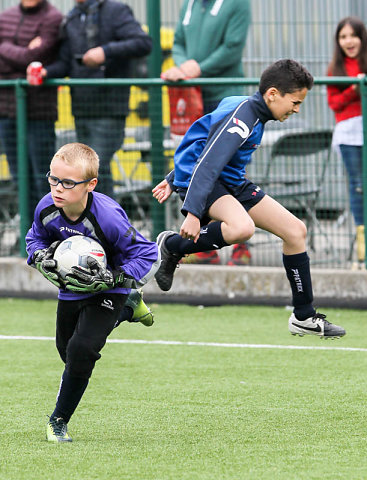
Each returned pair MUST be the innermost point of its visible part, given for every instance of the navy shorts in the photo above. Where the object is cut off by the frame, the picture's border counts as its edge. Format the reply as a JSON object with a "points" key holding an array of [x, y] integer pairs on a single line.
{"points": [[248, 194]]}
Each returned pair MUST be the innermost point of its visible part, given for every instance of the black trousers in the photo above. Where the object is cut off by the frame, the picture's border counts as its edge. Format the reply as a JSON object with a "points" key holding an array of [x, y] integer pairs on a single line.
{"points": [[82, 328]]}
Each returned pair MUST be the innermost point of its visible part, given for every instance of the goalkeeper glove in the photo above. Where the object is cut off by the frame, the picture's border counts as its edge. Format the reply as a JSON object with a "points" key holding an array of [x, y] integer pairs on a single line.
{"points": [[95, 280], [45, 264]]}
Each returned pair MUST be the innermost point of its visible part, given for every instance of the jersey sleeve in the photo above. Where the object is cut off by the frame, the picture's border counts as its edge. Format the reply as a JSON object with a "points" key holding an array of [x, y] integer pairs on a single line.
{"points": [[133, 254], [224, 139], [37, 237], [170, 177]]}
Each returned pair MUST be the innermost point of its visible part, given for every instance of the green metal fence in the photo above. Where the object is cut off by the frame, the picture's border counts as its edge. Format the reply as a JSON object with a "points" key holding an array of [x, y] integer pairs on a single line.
{"points": [[147, 155]]}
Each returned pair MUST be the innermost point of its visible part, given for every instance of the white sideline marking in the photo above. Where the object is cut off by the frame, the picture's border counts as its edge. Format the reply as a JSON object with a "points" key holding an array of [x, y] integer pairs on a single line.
{"points": [[200, 344]]}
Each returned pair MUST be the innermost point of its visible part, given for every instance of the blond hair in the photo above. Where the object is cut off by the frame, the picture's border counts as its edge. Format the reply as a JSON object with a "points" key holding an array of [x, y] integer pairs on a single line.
{"points": [[79, 155]]}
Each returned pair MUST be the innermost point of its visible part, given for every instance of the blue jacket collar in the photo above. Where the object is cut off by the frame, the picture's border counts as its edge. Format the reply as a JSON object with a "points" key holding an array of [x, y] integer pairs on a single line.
{"points": [[262, 109]]}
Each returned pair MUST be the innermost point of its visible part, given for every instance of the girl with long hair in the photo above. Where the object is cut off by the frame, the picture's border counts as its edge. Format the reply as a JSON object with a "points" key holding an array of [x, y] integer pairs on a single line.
{"points": [[350, 59]]}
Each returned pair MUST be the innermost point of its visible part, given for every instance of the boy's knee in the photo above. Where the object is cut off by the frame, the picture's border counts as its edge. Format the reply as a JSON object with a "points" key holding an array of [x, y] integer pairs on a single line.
{"points": [[62, 353], [81, 355], [243, 232], [297, 233], [301, 230]]}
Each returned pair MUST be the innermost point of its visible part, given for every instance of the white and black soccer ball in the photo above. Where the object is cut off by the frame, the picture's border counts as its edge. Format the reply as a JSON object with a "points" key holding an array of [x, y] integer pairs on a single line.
{"points": [[75, 250]]}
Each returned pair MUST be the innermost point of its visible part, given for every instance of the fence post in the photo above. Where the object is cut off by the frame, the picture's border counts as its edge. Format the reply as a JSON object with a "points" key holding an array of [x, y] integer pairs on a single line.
{"points": [[363, 90], [22, 163], [155, 113]]}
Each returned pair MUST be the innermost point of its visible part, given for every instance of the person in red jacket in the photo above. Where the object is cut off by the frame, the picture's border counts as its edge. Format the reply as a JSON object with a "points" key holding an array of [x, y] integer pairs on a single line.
{"points": [[350, 59], [29, 32]]}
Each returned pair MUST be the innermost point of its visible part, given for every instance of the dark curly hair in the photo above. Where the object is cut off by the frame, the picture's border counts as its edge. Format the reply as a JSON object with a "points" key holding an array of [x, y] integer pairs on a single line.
{"points": [[287, 76]]}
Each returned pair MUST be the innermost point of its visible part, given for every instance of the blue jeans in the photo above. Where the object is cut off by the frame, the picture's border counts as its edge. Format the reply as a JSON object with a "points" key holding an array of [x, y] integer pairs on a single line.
{"points": [[41, 149], [352, 158], [105, 136]]}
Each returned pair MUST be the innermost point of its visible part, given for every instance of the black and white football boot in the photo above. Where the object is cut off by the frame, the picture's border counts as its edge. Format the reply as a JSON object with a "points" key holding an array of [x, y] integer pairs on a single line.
{"points": [[316, 325], [169, 263]]}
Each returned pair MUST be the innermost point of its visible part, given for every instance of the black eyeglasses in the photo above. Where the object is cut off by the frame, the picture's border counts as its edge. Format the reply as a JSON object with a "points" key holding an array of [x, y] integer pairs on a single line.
{"points": [[65, 182]]}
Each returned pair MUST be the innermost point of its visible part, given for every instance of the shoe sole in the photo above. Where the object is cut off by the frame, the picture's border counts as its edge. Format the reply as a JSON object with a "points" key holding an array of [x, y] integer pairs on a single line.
{"points": [[58, 440], [322, 337], [161, 237], [147, 324], [302, 333]]}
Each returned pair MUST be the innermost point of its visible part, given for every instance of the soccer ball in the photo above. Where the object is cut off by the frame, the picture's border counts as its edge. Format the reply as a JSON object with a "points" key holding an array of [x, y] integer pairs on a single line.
{"points": [[74, 251]]}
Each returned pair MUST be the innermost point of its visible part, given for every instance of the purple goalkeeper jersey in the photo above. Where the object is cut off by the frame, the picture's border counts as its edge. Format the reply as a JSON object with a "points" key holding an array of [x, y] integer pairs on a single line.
{"points": [[105, 221]]}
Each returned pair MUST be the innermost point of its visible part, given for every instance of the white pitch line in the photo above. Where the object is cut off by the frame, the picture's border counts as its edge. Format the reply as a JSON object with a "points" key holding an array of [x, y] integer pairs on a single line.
{"points": [[200, 344]]}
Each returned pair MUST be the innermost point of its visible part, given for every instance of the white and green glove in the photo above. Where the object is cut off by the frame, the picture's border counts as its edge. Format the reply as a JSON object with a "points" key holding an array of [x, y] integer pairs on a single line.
{"points": [[44, 262], [95, 280]]}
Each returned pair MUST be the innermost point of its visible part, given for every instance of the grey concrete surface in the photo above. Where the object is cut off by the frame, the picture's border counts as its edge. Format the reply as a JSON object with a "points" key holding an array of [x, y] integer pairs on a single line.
{"points": [[212, 285]]}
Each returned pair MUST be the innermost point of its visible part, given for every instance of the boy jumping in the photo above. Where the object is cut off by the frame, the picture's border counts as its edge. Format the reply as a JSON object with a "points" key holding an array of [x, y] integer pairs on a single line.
{"points": [[209, 175]]}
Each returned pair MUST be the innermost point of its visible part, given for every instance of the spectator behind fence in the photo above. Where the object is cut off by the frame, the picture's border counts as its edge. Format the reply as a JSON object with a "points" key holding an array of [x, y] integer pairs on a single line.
{"points": [[29, 32], [209, 40], [100, 39], [350, 59]]}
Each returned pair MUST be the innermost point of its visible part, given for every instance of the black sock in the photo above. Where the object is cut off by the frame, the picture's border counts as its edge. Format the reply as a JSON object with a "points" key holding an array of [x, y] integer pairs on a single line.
{"points": [[211, 238], [299, 276], [69, 396]]}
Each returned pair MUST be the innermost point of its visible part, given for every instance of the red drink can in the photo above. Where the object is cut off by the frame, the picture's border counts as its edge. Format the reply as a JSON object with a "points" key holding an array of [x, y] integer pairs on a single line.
{"points": [[34, 73]]}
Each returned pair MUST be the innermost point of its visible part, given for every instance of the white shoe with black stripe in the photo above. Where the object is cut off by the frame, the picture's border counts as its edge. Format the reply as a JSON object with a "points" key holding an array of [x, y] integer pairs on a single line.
{"points": [[316, 325]]}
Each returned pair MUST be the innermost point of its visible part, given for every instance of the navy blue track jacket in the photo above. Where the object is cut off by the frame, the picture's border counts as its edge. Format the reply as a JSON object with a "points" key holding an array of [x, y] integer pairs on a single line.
{"points": [[111, 25], [218, 145]]}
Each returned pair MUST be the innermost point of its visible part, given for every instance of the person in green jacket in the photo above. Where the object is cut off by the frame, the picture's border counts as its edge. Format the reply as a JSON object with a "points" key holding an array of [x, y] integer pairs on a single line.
{"points": [[209, 40]]}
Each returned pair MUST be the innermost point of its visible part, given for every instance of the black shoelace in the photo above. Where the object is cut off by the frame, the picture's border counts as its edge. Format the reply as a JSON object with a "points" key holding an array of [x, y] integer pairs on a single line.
{"points": [[322, 317], [59, 427]]}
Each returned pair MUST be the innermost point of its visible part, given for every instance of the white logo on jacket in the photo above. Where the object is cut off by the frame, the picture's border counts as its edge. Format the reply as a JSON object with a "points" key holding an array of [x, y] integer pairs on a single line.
{"points": [[70, 230], [241, 128]]}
